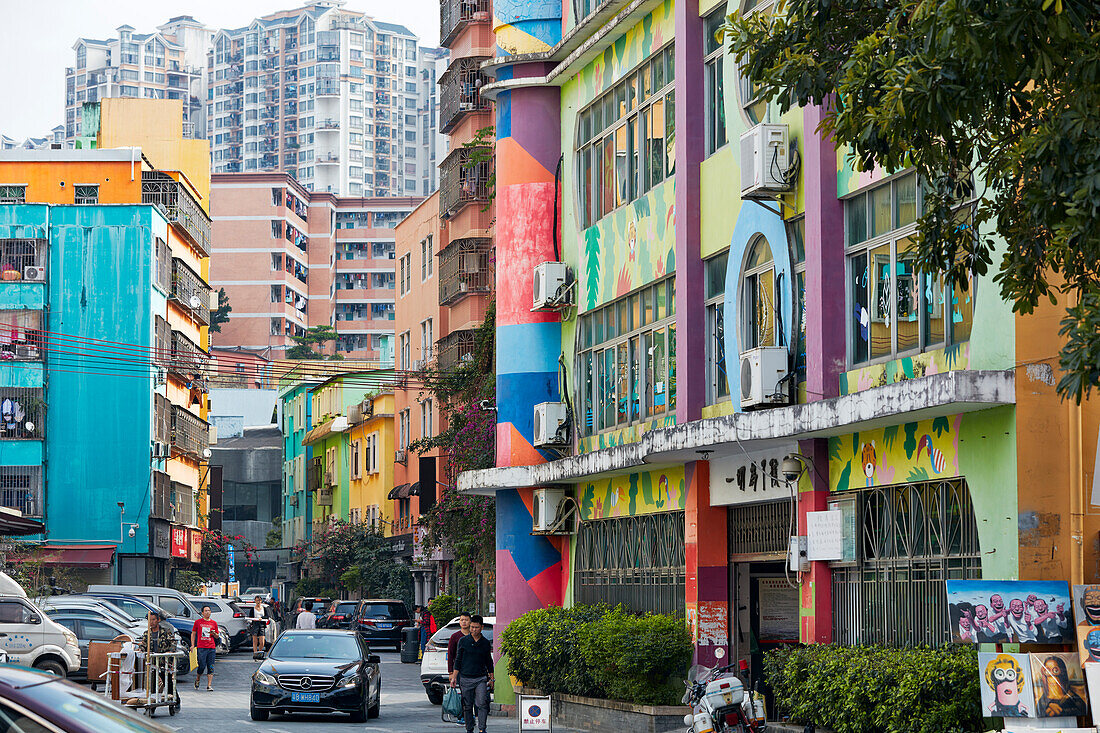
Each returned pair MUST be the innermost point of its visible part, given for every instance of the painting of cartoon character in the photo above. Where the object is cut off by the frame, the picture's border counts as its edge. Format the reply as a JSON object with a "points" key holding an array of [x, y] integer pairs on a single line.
{"points": [[869, 460], [1006, 685]]}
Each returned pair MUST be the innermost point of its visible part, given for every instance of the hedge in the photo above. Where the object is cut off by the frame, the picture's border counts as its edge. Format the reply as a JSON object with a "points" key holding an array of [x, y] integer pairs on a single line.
{"points": [[873, 689], [599, 651]]}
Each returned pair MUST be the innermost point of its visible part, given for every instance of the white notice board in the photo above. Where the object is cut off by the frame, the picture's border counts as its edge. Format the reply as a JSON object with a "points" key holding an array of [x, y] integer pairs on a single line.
{"points": [[825, 535], [534, 713]]}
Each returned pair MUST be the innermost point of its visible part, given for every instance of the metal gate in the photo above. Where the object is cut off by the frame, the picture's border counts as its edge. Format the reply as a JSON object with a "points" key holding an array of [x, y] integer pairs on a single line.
{"points": [[636, 561], [913, 537]]}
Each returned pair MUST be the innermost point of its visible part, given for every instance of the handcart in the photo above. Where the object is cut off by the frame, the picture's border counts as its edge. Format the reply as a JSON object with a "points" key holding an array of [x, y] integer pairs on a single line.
{"points": [[150, 683]]}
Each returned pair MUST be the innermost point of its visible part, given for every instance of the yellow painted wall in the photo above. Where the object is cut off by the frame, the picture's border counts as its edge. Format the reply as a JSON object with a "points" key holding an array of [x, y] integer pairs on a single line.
{"points": [[43, 179], [373, 489]]}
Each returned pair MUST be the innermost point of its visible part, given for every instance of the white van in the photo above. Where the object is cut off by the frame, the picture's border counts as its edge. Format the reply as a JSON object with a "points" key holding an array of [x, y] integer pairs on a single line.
{"points": [[30, 637]]}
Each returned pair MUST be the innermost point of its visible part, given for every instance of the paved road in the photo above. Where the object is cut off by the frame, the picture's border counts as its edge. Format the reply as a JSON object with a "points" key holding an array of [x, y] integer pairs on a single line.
{"points": [[405, 707]]}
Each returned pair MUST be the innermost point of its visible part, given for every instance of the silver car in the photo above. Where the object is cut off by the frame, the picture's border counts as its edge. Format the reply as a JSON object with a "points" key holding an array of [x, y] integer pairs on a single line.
{"points": [[230, 618]]}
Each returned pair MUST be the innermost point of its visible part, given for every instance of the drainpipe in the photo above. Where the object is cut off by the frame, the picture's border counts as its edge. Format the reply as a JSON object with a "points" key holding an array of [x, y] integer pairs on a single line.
{"points": [[1076, 495]]}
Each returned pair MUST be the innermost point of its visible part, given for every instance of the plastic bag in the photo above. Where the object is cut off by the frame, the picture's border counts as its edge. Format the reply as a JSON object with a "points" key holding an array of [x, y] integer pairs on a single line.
{"points": [[193, 657], [452, 705]]}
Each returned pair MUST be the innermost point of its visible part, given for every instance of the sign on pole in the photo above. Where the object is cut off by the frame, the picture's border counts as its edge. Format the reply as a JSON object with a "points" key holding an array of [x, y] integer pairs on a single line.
{"points": [[230, 560], [534, 713]]}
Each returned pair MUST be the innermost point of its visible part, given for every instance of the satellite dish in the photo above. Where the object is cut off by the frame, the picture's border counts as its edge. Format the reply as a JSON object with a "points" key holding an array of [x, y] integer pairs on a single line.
{"points": [[206, 453], [29, 426], [195, 301]]}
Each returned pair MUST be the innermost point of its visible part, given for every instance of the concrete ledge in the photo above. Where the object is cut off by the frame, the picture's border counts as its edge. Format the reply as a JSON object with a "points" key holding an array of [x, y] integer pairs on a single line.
{"points": [[937, 395]]}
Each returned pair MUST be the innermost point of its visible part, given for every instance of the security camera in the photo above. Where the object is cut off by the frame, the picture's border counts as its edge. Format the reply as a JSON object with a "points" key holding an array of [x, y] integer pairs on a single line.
{"points": [[791, 468], [133, 532]]}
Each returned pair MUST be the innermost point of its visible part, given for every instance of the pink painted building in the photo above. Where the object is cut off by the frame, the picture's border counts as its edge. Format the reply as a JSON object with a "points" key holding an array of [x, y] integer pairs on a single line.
{"points": [[290, 259]]}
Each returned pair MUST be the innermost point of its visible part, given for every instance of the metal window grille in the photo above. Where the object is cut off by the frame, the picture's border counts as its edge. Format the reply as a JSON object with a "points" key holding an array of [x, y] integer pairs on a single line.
{"points": [[164, 265], [86, 194], [465, 177], [189, 290], [759, 529], [183, 504], [22, 413], [636, 561], [455, 348], [464, 268], [161, 506], [21, 489], [21, 336], [162, 333], [188, 360], [16, 255], [190, 434], [162, 418], [13, 194], [913, 537], [459, 87], [454, 14], [178, 206]]}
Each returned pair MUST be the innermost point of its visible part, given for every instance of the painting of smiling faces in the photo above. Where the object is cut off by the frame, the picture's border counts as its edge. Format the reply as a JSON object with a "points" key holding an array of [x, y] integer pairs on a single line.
{"points": [[1086, 612], [1010, 611]]}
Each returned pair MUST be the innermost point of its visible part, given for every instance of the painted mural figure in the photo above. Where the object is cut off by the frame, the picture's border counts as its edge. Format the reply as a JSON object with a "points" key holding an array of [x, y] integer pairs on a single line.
{"points": [[1048, 624], [1009, 611], [1006, 678]]}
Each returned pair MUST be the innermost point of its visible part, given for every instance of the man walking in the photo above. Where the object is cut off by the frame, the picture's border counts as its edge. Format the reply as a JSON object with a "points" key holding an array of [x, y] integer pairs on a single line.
{"points": [[473, 671], [452, 643], [306, 619], [205, 634]]}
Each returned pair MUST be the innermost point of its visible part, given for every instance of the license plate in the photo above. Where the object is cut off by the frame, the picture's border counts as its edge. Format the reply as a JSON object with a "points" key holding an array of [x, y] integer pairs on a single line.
{"points": [[305, 697], [385, 626]]}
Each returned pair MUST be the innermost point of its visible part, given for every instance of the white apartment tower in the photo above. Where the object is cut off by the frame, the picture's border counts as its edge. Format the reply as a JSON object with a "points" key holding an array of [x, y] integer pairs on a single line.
{"points": [[168, 64], [329, 95]]}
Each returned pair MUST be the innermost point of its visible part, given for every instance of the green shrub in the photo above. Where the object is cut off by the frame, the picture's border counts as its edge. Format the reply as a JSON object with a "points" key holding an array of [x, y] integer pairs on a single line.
{"points": [[876, 689], [597, 651], [443, 608]]}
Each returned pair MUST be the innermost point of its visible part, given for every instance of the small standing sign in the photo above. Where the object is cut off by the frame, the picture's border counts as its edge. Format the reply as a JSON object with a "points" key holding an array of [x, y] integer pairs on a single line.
{"points": [[534, 713]]}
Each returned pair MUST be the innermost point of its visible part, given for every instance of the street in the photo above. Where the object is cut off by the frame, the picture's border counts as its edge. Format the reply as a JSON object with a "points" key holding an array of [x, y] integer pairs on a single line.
{"points": [[405, 707]]}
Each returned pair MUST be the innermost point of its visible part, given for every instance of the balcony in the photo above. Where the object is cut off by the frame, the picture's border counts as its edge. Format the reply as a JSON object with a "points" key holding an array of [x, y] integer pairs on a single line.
{"points": [[464, 269], [190, 292], [190, 434], [188, 360], [455, 349], [178, 206], [327, 88], [328, 125], [21, 489], [328, 159], [455, 14], [22, 337], [22, 413], [466, 177], [22, 259], [183, 505], [162, 419], [161, 505], [459, 95]]}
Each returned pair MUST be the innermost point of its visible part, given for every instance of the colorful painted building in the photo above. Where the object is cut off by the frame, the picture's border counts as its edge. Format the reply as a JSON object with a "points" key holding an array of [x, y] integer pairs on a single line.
{"points": [[707, 327], [106, 309]]}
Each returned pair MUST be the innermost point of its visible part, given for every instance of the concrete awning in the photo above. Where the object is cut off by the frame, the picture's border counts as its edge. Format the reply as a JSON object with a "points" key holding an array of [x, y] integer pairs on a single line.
{"points": [[320, 432], [948, 393]]}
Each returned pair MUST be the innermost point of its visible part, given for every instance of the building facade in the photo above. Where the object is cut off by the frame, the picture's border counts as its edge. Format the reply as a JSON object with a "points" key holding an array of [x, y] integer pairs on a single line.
{"points": [[290, 259], [327, 94], [167, 64], [107, 310], [706, 330]]}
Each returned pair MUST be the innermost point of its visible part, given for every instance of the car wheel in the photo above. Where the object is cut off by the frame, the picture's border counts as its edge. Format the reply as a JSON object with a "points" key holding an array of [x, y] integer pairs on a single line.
{"points": [[376, 708], [361, 715], [51, 666], [435, 695], [256, 713]]}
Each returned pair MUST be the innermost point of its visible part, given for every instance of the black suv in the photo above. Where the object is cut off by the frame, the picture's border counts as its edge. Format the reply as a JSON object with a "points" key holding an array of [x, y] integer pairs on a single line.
{"points": [[339, 615], [380, 621]]}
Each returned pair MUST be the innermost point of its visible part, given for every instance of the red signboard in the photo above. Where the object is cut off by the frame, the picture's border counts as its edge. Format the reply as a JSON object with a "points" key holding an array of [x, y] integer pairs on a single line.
{"points": [[180, 537], [196, 545]]}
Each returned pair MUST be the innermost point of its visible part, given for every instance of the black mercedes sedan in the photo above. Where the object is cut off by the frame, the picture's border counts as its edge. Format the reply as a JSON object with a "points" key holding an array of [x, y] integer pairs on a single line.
{"points": [[318, 671]]}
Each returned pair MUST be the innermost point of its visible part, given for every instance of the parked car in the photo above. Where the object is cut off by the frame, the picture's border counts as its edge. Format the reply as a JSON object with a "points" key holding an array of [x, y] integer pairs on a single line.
{"points": [[29, 637], [340, 615], [93, 609], [170, 599], [319, 606], [88, 629], [318, 671], [433, 667], [250, 594], [380, 621], [230, 618], [34, 701], [140, 607]]}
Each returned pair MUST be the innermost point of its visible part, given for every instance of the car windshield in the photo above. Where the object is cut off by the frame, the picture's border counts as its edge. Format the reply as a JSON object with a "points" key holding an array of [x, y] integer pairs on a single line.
{"points": [[82, 709], [135, 608], [441, 637], [344, 608], [384, 610], [315, 646]]}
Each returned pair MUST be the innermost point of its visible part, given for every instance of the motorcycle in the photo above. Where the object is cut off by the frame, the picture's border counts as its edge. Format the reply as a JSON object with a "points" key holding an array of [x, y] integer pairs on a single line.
{"points": [[720, 702]]}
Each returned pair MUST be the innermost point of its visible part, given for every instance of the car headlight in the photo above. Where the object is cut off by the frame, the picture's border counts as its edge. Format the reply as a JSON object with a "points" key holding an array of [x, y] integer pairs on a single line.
{"points": [[70, 639], [352, 681], [264, 678]]}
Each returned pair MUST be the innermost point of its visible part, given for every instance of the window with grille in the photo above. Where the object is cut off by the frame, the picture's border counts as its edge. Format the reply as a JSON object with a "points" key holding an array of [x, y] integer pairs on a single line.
{"points": [[21, 489], [86, 194], [13, 194], [911, 538]]}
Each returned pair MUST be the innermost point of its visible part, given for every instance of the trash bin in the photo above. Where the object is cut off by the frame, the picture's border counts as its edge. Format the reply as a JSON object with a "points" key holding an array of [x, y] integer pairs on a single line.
{"points": [[410, 645]]}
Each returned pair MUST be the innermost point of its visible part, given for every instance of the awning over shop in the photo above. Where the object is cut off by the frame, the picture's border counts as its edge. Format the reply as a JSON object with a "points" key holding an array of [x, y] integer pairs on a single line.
{"points": [[404, 491], [414, 488], [76, 556], [320, 432], [13, 523], [948, 393]]}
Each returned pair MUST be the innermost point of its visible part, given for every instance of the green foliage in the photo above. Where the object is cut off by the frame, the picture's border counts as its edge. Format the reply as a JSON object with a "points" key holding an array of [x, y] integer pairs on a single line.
{"points": [[444, 607], [221, 315], [314, 587], [997, 102], [355, 558], [878, 689], [317, 336], [274, 536], [481, 147], [597, 651], [187, 581]]}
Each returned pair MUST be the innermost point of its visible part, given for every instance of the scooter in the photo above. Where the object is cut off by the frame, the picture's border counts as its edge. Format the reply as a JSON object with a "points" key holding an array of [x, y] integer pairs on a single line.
{"points": [[720, 702]]}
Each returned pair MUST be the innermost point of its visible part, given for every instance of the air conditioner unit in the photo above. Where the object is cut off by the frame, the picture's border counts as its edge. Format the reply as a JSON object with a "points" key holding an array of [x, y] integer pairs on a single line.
{"points": [[34, 272], [213, 300], [763, 371], [23, 350], [549, 278], [418, 365], [355, 414], [161, 450], [400, 456], [765, 157], [366, 408], [294, 500], [549, 416], [544, 508]]}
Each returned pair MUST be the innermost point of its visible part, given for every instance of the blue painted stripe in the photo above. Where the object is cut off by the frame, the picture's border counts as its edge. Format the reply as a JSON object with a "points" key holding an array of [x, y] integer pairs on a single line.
{"points": [[517, 394], [531, 553], [528, 347], [20, 452], [504, 107]]}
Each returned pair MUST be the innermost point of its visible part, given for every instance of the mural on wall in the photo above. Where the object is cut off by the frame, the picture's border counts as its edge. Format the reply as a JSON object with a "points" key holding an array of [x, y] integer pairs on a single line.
{"points": [[849, 178], [916, 451], [910, 367], [633, 494], [622, 436]]}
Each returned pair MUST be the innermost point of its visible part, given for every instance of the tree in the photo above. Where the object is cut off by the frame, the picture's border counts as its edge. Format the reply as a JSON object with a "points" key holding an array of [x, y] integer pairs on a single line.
{"points": [[994, 101], [316, 336], [221, 315], [214, 560], [274, 536], [356, 558]]}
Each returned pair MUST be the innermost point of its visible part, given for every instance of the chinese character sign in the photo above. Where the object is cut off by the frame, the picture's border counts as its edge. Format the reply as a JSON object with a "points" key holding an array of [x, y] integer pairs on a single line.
{"points": [[179, 542]]}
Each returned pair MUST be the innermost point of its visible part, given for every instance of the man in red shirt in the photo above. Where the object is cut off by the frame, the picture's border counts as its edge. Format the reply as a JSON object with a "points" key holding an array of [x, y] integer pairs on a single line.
{"points": [[204, 635]]}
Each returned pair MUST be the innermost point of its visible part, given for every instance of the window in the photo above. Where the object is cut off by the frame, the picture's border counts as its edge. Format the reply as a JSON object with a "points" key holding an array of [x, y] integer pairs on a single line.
{"points": [[13, 194], [625, 139], [404, 425], [406, 273], [758, 310], [712, 71], [356, 452], [426, 339], [14, 612], [626, 359], [717, 381], [404, 350], [86, 194], [754, 106], [426, 418], [895, 309], [797, 233], [426, 258]]}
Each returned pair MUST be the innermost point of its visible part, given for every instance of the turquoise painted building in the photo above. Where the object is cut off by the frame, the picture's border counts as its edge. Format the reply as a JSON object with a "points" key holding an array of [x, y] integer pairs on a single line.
{"points": [[297, 420]]}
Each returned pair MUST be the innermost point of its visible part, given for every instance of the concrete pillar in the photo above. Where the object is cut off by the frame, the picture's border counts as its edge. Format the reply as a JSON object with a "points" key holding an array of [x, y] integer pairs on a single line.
{"points": [[706, 557], [816, 590]]}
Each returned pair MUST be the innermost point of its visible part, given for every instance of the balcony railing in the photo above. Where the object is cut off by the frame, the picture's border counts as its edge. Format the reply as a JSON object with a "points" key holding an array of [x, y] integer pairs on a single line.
{"points": [[162, 419], [465, 177], [464, 268], [455, 348], [161, 505], [189, 291], [21, 489], [21, 335], [177, 204], [455, 14], [22, 413], [22, 259], [190, 434], [188, 360], [459, 95], [314, 474], [327, 88]]}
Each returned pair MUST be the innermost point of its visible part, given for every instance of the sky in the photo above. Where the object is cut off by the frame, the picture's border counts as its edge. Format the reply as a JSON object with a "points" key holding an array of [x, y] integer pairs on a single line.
{"points": [[37, 37]]}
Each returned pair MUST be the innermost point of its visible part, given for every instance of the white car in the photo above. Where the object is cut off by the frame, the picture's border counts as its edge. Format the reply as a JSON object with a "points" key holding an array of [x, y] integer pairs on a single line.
{"points": [[250, 594], [433, 667], [229, 616]]}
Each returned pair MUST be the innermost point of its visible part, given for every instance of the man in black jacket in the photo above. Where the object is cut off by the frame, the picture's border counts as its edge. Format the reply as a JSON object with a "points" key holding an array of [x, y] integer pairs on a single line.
{"points": [[473, 671]]}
